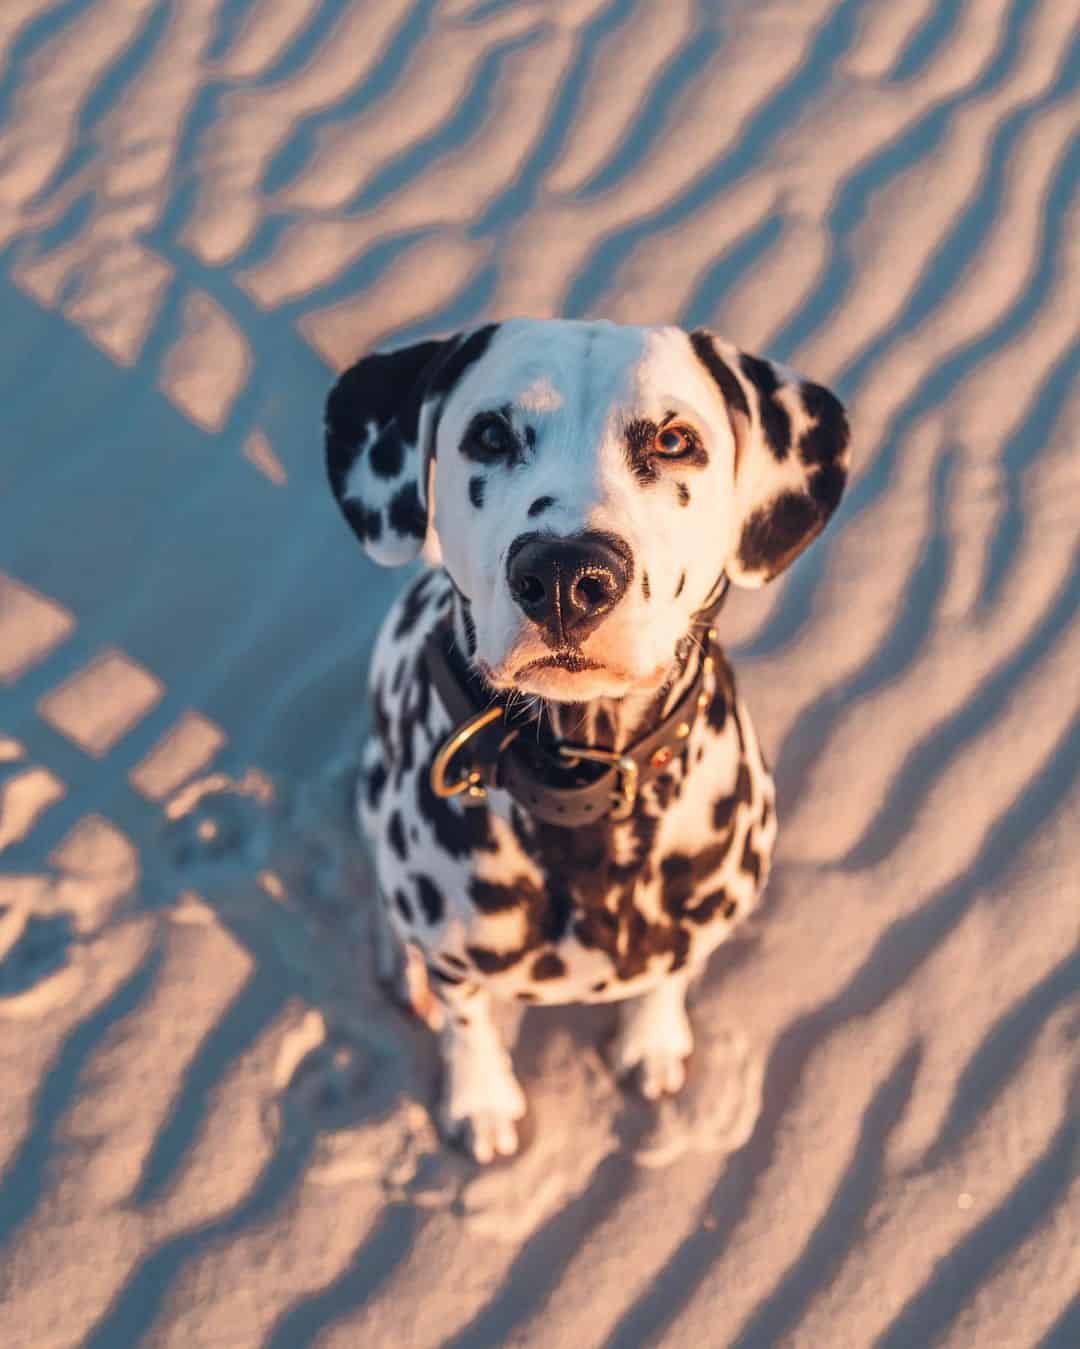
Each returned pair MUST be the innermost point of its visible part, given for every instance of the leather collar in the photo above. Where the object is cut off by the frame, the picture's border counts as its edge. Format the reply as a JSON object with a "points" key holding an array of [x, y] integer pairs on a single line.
{"points": [[559, 783]]}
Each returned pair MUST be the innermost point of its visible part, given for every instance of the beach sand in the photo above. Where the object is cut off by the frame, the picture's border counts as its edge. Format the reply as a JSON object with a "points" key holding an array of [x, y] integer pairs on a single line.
{"points": [[214, 1130]]}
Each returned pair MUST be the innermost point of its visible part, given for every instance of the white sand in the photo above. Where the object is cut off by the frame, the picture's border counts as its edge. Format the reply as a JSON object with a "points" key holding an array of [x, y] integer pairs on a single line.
{"points": [[213, 1130]]}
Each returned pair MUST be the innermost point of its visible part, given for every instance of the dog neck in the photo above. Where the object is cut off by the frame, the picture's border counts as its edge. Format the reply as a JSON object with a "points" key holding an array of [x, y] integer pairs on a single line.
{"points": [[602, 723]]}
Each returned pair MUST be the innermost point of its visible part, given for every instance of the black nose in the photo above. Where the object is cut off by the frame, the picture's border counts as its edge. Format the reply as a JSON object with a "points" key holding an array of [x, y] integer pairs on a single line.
{"points": [[566, 586]]}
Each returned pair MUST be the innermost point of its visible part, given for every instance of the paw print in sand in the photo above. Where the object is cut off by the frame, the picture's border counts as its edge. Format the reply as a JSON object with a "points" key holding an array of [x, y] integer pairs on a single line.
{"points": [[217, 818], [330, 1079]]}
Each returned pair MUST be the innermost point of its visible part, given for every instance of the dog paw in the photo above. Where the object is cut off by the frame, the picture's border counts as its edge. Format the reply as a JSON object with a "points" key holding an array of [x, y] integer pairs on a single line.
{"points": [[662, 1074], [480, 1114], [658, 1048]]}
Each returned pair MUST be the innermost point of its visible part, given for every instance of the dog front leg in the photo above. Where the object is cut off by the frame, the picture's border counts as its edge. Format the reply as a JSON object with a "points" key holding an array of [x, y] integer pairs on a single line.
{"points": [[400, 969], [481, 1099], [655, 1035]]}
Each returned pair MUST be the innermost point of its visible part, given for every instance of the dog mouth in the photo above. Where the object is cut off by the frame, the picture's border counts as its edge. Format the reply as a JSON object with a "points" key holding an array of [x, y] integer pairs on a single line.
{"points": [[536, 675], [573, 662]]}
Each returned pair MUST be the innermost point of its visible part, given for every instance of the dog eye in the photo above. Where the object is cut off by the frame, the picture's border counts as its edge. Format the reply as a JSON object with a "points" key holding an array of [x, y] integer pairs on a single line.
{"points": [[674, 441], [490, 437]]}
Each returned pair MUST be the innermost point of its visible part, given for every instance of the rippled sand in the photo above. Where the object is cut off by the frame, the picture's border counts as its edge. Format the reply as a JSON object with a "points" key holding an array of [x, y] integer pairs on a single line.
{"points": [[213, 1131]]}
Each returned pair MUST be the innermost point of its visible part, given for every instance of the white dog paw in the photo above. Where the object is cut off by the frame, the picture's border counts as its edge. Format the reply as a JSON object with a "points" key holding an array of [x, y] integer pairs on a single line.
{"points": [[481, 1113], [656, 1045], [662, 1074]]}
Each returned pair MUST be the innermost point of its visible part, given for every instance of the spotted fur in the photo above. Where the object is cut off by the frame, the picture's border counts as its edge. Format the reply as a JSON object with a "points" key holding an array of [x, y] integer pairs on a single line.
{"points": [[558, 428]]}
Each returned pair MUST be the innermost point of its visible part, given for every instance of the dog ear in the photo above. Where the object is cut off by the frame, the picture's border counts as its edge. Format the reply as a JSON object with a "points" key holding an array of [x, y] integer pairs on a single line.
{"points": [[791, 457], [381, 419]]}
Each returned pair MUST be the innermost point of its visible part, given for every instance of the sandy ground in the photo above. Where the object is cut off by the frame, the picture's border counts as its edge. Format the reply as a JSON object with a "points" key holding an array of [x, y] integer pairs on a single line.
{"points": [[213, 1131]]}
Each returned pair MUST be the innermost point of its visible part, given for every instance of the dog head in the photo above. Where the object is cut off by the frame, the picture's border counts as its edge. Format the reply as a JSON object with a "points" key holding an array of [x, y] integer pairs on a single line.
{"points": [[587, 485]]}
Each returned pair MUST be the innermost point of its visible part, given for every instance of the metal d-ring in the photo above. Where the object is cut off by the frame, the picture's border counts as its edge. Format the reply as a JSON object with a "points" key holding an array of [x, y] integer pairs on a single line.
{"points": [[471, 785]]}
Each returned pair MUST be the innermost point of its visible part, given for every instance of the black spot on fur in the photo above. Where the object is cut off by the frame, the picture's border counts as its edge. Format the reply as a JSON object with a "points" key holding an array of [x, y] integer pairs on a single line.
{"points": [[677, 872], [476, 491], [395, 832], [723, 699], [775, 534], [827, 486], [684, 494], [540, 505], [431, 900], [367, 524], [821, 443], [730, 387], [403, 905], [706, 908], [751, 861], [638, 443], [646, 589], [601, 987], [413, 605], [723, 813], [679, 587], [547, 966], [407, 515], [413, 717], [458, 831], [680, 948], [525, 995], [684, 874], [663, 791], [599, 928], [775, 419], [716, 714], [388, 454], [444, 976], [380, 718], [493, 897], [493, 962], [717, 901], [376, 781]]}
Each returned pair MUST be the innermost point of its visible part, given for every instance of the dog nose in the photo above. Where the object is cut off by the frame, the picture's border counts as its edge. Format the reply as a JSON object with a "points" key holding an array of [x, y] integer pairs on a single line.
{"points": [[566, 586]]}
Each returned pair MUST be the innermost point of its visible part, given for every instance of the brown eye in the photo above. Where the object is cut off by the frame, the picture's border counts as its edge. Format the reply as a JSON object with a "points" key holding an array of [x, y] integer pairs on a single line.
{"points": [[495, 438], [674, 441], [489, 438]]}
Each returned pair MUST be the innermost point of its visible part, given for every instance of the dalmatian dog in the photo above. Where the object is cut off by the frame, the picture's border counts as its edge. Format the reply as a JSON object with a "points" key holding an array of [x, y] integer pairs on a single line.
{"points": [[565, 799]]}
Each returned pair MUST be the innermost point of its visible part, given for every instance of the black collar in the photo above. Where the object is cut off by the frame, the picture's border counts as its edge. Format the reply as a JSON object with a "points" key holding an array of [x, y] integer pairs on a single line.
{"points": [[557, 782]]}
